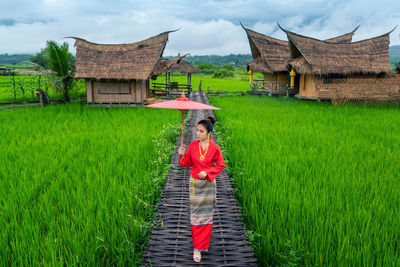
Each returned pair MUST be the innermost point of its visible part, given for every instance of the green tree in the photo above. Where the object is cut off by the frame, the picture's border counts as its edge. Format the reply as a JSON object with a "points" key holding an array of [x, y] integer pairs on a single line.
{"points": [[228, 67], [223, 73], [41, 58], [206, 68], [60, 62]]}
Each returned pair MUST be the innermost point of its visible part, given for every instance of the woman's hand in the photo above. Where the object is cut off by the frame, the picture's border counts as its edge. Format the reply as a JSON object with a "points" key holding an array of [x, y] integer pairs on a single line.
{"points": [[182, 150], [202, 174]]}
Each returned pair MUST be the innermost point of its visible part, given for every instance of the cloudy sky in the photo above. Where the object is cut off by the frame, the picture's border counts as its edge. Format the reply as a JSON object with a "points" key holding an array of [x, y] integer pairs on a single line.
{"points": [[206, 26]]}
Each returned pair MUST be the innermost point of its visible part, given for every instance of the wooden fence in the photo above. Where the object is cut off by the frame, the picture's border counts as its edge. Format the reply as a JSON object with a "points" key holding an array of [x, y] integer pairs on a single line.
{"points": [[169, 89]]}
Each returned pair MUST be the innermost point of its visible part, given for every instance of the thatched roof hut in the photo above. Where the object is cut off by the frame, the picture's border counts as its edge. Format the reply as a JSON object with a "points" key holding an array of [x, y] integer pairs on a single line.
{"points": [[270, 54], [169, 66], [270, 57], [119, 61], [5, 69], [118, 72], [272, 51], [357, 70], [172, 65], [313, 56]]}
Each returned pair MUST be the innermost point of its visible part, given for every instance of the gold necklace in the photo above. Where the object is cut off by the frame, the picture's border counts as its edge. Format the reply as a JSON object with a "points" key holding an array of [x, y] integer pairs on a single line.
{"points": [[201, 155]]}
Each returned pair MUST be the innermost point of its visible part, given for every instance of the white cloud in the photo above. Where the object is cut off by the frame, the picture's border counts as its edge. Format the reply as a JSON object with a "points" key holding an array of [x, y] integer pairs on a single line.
{"points": [[208, 27]]}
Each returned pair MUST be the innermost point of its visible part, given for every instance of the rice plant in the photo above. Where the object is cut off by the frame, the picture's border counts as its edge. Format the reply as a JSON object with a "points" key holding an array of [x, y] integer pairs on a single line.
{"points": [[21, 88], [319, 185], [79, 184]]}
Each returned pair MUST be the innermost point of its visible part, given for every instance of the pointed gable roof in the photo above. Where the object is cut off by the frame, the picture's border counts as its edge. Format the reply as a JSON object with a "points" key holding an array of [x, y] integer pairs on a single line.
{"points": [[275, 52], [272, 50], [119, 61], [345, 38], [322, 57]]}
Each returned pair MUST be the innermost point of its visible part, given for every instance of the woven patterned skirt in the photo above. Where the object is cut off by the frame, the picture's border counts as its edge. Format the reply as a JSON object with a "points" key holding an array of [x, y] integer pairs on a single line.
{"points": [[202, 195]]}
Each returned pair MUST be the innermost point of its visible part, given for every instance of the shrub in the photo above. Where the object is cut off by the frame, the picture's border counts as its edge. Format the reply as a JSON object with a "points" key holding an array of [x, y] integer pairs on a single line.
{"points": [[223, 73]]}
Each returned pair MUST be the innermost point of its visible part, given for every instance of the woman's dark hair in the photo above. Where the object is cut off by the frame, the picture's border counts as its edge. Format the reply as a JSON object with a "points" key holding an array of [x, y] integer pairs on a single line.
{"points": [[208, 123]]}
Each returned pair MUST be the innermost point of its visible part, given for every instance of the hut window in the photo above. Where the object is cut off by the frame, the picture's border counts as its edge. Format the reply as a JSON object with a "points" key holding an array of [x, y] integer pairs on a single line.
{"points": [[334, 78], [114, 88]]}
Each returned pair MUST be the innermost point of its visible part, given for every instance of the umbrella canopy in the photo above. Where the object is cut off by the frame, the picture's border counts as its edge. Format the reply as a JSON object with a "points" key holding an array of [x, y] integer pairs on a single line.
{"points": [[182, 104]]}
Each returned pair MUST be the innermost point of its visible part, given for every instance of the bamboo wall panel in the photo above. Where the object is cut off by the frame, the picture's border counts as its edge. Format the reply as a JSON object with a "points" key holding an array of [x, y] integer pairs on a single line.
{"points": [[115, 92], [362, 87]]}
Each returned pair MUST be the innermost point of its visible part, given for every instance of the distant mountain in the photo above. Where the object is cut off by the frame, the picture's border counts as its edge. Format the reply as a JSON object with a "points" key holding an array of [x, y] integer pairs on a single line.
{"points": [[236, 60], [394, 52], [14, 59]]}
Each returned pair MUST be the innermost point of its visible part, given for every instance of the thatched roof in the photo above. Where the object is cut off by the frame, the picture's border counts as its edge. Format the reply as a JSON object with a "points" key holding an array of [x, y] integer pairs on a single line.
{"points": [[174, 65], [119, 61], [345, 38], [259, 65], [323, 57], [183, 67], [275, 52]]}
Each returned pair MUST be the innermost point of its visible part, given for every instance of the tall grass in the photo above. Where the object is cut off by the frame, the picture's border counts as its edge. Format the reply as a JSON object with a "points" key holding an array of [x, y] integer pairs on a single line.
{"points": [[79, 184], [319, 184]]}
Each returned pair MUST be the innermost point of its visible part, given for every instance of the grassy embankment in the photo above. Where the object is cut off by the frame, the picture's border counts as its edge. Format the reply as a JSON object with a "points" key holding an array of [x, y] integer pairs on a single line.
{"points": [[319, 183]]}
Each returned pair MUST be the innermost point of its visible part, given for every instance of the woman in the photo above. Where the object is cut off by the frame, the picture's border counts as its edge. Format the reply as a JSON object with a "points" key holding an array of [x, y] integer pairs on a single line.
{"points": [[201, 156]]}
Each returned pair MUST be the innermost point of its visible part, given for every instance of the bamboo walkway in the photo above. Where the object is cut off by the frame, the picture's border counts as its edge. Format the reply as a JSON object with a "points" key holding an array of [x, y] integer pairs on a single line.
{"points": [[170, 243]]}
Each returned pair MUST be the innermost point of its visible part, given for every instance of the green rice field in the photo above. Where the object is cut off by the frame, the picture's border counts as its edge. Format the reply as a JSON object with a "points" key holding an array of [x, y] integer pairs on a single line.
{"points": [[318, 184], [28, 83], [24, 85], [79, 184], [214, 84]]}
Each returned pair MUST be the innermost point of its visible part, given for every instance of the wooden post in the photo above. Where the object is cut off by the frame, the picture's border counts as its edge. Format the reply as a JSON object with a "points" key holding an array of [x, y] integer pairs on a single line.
{"points": [[92, 92], [147, 88]]}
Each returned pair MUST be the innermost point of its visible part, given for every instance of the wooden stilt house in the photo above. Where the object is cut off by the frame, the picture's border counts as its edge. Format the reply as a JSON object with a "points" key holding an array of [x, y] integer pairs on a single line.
{"points": [[118, 73], [355, 71], [270, 56]]}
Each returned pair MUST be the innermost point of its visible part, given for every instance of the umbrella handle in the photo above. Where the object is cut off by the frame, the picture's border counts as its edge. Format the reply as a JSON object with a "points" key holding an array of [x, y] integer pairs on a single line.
{"points": [[182, 113]]}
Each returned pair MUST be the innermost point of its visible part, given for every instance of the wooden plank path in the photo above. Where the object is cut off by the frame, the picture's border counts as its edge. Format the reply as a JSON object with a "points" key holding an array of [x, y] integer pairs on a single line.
{"points": [[170, 243]]}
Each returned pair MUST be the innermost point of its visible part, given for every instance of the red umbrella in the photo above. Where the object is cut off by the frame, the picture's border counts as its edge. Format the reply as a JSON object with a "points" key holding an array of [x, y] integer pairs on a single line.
{"points": [[182, 104]]}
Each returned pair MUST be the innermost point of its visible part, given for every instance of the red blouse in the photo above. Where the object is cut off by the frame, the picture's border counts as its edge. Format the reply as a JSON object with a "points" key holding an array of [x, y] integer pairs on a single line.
{"points": [[192, 159]]}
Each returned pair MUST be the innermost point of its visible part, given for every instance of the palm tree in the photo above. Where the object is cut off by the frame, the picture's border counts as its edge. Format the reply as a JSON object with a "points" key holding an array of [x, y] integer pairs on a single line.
{"points": [[60, 63]]}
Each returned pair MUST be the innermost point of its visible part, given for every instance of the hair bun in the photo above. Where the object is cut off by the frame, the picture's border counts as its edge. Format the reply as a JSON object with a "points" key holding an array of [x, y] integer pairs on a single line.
{"points": [[212, 120]]}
